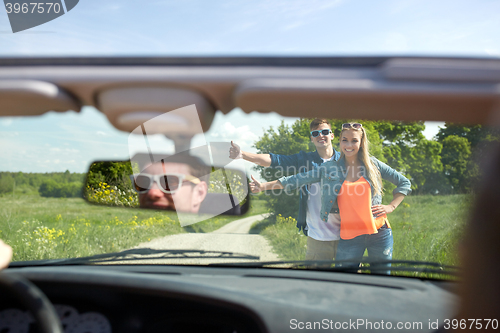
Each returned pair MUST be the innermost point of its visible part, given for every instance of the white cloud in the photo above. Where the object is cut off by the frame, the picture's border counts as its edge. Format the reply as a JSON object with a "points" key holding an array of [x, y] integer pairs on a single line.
{"points": [[396, 42], [293, 25], [57, 148], [101, 133], [8, 134], [7, 121], [158, 144], [245, 18], [492, 52], [294, 8], [242, 135], [64, 150]]}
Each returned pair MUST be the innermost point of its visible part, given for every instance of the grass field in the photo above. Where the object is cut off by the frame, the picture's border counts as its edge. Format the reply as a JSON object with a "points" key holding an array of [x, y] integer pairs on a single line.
{"points": [[425, 228], [48, 228]]}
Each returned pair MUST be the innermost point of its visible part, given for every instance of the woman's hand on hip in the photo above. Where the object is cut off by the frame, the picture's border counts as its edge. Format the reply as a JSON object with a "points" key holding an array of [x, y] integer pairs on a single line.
{"points": [[379, 210]]}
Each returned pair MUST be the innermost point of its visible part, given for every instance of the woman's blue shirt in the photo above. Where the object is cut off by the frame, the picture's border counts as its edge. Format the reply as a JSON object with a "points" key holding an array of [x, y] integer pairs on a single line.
{"points": [[332, 175]]}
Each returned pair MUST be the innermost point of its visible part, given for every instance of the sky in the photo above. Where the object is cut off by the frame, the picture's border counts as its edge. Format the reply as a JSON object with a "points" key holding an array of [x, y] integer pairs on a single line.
{"points": [[264, 27], [56, 142], [71, 141]]}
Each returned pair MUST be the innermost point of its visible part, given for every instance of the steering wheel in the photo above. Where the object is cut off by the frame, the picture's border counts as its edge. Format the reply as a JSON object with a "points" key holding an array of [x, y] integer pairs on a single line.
{"points": [[34, 300]]}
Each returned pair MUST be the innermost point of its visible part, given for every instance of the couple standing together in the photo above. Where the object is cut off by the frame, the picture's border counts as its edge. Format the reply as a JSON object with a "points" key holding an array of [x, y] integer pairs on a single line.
{"points": [[340, 208]]}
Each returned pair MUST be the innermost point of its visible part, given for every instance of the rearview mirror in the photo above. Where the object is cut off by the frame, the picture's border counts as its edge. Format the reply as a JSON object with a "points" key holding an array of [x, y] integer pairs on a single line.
{"points": [[182, 182]]}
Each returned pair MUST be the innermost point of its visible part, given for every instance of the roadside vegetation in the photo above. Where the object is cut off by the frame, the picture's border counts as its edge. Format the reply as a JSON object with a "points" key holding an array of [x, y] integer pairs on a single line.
{"points": [[50, 228]]}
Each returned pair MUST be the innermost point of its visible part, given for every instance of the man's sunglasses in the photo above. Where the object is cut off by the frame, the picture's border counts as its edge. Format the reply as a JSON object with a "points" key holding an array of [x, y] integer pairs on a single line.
{"points": [[315, 134], [352, 125], [167, 182]]}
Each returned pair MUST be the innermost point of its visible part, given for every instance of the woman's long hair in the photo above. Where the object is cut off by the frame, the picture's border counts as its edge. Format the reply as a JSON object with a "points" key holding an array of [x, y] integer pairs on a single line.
{"points": [[372, 171]]}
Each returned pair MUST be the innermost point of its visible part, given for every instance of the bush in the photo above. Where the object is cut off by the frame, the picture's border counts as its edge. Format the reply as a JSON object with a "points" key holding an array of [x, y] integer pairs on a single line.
{"points": [[53, 189], [111, 195], [6, 183]]}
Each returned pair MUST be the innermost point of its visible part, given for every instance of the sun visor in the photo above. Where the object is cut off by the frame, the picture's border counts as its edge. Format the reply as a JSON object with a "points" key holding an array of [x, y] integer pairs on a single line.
{"points": [[30, 98], [444, 70], [374, 99], [130, 107]]}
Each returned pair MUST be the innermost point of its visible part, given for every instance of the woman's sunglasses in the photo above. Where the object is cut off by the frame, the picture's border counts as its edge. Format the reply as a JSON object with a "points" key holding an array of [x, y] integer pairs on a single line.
{"points": [[352, 125], [315, 134], [167, 182]]}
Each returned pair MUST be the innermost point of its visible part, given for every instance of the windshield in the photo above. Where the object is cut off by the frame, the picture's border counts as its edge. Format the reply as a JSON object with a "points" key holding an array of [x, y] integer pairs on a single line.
{"points": [[429, 170], [410, 184]]}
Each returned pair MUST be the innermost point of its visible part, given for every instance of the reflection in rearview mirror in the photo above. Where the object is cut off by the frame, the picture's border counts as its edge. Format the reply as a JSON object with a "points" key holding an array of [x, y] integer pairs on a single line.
{"points": [[181, 183]]}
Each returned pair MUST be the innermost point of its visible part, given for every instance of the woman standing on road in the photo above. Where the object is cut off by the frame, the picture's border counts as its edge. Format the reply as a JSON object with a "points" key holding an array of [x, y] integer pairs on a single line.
{"points": [[352, 187]]}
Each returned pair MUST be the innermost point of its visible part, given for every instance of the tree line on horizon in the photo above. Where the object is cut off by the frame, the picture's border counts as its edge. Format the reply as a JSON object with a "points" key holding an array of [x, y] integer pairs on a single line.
{"points": [[445, 164], [54, 184]]}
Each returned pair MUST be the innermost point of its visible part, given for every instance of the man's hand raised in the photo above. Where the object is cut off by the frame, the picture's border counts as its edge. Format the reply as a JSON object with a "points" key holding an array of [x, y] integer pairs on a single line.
{"points": [[255, 186], [235, 151], [261, 159]]}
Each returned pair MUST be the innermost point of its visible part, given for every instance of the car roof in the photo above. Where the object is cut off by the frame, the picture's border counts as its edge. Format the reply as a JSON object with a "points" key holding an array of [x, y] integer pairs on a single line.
{"points": [[460, 90]]}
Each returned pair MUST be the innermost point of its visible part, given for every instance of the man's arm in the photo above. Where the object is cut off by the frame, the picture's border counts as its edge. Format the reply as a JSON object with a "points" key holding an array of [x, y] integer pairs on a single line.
{"points": [[259, 159], [291, 182], [256, 186], [295, 161]]}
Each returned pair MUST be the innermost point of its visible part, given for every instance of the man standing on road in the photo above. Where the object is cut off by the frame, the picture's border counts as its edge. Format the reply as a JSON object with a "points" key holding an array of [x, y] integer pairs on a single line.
{"points": [[322, 238]]}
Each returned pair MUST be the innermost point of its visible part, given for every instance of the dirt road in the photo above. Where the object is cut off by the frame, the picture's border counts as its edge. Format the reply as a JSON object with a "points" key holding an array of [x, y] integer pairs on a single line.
{"points": [[233, 237]]}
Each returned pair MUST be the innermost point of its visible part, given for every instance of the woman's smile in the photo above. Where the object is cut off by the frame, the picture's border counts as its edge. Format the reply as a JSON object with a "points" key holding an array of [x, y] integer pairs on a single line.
{"points": [[350, 142]]}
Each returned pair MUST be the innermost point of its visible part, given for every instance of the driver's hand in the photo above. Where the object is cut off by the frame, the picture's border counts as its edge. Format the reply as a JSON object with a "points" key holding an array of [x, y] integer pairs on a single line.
{"points": [[5, 254], [235, 151], [255, 186]]}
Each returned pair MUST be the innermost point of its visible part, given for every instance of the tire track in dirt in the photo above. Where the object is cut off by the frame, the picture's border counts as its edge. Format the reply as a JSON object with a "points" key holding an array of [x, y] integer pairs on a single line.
{"points": [[233, 237]]}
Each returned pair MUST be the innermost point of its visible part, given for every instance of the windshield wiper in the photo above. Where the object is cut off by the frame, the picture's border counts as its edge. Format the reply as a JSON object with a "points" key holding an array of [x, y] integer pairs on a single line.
{"points": [[138, 254], [375, 267]]}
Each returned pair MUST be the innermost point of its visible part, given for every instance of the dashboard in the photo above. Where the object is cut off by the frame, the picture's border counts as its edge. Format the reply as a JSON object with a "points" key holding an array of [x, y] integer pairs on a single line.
{"points": [[103, 299]]}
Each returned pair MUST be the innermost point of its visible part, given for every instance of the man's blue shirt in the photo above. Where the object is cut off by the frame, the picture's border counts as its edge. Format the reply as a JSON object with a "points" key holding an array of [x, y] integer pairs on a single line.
{"points": [[301, 162]]}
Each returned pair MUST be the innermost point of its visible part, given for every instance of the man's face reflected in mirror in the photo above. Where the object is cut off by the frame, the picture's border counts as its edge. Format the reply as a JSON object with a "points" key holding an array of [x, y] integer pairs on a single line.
{"points": [[171, 186]]}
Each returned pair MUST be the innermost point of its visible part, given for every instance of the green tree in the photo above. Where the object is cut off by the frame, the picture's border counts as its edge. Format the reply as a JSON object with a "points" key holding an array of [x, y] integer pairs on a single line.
{"points": [[285, 140], [112, 173], [473, 134], [53, 189], [463, 168], [288, 140], [408, 151], [50, 188], [456, 159], [6, 182]]}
